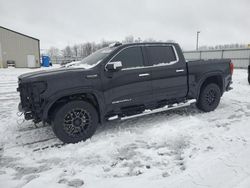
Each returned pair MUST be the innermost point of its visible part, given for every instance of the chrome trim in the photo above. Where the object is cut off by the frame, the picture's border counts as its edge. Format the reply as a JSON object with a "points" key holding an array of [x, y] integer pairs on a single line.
{"points": [[115, 63], [92, 76], [124, 100], [145, 67], [144, 74], [166, 108], [179, 70]]}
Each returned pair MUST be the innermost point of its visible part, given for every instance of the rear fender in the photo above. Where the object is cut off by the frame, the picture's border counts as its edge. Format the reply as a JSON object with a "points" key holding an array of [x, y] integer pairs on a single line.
{"points": [[205, 77]]}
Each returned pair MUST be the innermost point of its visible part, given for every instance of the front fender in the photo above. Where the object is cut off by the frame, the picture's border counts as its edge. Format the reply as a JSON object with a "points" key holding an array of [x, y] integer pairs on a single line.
{"points": [[73, 91]]}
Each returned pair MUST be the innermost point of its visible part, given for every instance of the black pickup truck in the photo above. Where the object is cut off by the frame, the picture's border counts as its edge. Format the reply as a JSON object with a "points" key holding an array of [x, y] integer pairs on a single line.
{"points": [[120, 81]]}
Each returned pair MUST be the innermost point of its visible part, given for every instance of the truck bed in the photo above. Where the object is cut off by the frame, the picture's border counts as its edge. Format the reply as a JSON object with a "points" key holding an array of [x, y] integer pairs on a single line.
{"points": [[201, 69]]}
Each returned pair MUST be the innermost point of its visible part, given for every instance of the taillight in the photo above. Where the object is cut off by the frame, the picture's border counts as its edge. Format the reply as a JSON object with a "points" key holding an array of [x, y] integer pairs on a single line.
{"points": [[231, 68]]}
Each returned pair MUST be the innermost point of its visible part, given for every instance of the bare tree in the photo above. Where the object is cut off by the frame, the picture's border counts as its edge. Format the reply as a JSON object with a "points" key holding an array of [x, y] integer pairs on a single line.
{"points": [[67, 52], [129, 39], [138, 40], [75, 50], [170, 41], [104, 44], [53, 52], [149, 40], [82, 53], [88, 48]]}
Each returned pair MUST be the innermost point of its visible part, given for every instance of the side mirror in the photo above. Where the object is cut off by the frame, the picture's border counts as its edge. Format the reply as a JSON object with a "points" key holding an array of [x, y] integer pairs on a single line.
{"points": [[114, 66]]}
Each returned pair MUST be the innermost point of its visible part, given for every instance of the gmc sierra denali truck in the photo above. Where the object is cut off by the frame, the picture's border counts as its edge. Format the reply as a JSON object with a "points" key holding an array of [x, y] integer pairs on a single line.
{"points": [[120, 81]]}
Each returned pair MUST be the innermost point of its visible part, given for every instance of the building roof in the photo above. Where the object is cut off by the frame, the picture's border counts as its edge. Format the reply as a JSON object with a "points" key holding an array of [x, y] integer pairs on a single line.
{"points": [[18, 33]]}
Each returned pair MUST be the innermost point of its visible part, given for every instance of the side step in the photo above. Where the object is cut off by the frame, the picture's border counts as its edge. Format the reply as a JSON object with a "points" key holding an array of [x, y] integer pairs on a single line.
{"points": [[165, 108]]}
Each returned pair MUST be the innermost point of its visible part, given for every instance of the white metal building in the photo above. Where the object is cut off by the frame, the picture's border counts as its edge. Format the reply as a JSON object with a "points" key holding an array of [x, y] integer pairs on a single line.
{"points": [[240, 57], [19, 49]]}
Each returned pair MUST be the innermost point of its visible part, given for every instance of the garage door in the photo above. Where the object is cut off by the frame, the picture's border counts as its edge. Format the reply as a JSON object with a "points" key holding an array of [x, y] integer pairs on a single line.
{"points": [[31, 61]]}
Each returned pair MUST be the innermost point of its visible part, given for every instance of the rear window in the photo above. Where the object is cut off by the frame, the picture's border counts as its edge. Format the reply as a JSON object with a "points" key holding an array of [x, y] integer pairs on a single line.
{"points": [[160, 55]]}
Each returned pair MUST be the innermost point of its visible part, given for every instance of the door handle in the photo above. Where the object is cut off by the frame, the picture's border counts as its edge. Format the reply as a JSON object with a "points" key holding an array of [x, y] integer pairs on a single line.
{"points": [[180, 70], [92, 76], [144, 74]]}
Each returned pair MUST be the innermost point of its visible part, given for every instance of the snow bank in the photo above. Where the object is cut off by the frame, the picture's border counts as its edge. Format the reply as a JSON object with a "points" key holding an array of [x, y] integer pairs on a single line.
{"points": [[179, 148]]}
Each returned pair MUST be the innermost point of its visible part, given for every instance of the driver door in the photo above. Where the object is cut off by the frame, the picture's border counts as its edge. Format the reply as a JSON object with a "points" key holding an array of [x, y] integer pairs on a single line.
{"points": [[132, 84]]}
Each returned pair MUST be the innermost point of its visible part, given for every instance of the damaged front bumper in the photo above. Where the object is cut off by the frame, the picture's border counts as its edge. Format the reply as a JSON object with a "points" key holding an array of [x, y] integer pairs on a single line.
{"points": [[27, 115], [20, 108]]}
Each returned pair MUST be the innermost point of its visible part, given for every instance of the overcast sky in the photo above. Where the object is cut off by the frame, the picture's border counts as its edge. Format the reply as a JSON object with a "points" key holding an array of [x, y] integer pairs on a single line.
{"points": [[62, 22]]}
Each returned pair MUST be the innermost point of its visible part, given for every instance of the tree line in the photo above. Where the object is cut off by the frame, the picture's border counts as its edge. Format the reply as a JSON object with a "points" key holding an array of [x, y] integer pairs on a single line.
{"points": [[79, 51], [223, 46]]}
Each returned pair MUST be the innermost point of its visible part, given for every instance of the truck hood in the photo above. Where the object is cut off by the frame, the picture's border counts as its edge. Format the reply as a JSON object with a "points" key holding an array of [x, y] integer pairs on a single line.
{"points": [[47, 74]]}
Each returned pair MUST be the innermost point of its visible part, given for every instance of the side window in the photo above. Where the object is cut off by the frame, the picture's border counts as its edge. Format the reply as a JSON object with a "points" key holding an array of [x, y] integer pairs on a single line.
{"points": [[161, 54], [130, 57]]}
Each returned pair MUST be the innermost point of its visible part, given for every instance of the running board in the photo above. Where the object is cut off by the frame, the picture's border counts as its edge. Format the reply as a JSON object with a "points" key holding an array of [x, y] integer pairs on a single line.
{"points": [[165, 108]]}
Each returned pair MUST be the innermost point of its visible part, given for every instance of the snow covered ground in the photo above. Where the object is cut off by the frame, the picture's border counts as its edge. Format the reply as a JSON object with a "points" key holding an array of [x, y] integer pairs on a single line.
{"points": [[179, 148]]}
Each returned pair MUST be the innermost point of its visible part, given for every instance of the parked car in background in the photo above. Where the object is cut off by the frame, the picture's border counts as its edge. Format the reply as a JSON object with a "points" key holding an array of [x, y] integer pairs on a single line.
{"points": [[71, 64], [121, 81], [249, 74]]}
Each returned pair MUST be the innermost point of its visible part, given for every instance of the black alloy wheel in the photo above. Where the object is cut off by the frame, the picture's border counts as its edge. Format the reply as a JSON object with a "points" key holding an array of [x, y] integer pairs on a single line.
{"points": [[209, 97], [75, 121]]}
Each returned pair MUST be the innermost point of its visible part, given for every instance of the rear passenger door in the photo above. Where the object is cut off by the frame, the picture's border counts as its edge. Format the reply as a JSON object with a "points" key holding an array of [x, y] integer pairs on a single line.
{"points": [[169, 74]]}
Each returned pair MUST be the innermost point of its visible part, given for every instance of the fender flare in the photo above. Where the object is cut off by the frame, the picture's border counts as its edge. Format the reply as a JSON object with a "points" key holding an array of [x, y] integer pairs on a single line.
{"points": [[206, 76], [74, 91]]}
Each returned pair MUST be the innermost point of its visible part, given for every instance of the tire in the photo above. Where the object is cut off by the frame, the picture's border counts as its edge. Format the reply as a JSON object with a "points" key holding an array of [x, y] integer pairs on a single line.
{"points": [[209, 97], [75, 121]]}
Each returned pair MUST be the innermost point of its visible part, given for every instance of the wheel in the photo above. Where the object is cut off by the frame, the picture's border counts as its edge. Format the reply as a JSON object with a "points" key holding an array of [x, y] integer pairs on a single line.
{"points": [[209, 97], [75, 121]]}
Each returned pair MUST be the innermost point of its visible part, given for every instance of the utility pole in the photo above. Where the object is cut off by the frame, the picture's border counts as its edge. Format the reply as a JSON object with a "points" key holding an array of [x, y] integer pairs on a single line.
{"points": [[197, 40]]}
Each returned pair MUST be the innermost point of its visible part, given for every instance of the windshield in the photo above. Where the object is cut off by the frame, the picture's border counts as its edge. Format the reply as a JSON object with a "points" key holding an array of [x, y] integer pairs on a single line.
{"points": [[93, 59], [97, 56]]}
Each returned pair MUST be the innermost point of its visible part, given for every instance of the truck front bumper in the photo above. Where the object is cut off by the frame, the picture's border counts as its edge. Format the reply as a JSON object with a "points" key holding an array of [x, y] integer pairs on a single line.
{"points": [[27, 115]]}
